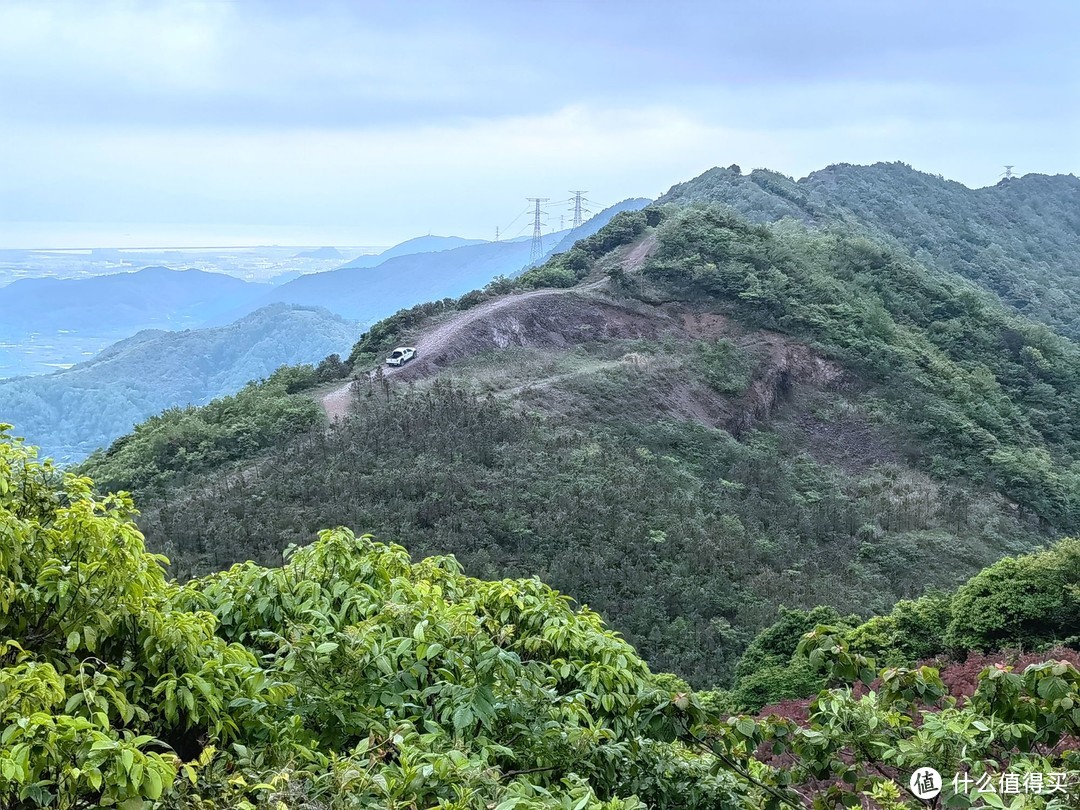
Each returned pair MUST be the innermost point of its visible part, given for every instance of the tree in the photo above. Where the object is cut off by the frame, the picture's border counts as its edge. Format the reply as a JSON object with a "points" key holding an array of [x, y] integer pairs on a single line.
{"points": [[1020, 602]]}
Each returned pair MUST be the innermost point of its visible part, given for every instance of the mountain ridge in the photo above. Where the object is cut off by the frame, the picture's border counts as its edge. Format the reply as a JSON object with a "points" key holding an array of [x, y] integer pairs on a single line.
{"points": [[1019, 238], [367, 294], [686, 432], [418, 244]]}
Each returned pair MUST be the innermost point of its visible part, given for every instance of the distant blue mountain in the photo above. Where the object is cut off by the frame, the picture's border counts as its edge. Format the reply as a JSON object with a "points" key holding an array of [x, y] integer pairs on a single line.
{"points": [[419, 244], [49, 321], [366, 294], [148, 297], [70, 413], [320, 253]]}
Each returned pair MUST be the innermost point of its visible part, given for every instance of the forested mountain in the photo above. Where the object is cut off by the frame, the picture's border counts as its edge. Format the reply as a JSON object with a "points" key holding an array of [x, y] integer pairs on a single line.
{"points": [[1019, 239], [71, 412], [61, 321], [692, 420], [735, 441], [353, 676]]}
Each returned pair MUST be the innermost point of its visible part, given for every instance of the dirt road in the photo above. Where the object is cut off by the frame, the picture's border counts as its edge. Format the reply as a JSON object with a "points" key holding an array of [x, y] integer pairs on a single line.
{"points": [[432, 345], [434, 342]]}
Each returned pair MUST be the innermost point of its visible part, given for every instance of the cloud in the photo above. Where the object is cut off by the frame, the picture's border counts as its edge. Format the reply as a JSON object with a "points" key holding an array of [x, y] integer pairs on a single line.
{"points": [[192, 64], [182, 64], [391, 118], [466, 177]]}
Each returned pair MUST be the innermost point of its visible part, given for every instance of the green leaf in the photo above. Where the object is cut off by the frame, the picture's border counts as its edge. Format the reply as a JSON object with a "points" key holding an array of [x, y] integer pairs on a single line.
{"points": [[462, 718], [154, 785]]}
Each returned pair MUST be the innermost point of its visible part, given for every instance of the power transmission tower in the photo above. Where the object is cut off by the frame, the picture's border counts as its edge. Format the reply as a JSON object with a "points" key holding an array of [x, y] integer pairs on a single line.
{"points": [[578, 208], [562, 222], [1008, 173], [537, 252], [496, 233]]}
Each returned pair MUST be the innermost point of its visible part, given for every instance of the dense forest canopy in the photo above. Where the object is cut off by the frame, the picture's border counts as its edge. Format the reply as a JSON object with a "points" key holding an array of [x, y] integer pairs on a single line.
{"points": [[1019, 239]]}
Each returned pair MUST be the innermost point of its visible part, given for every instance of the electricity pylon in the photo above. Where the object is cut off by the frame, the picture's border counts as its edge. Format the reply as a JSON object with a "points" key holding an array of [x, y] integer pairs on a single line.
{"points": [[537, 251], [578, 207]]}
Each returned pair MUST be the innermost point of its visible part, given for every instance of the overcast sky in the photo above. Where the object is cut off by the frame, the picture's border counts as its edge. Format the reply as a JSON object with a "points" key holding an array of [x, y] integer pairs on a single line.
{"points": [[365, 123]]}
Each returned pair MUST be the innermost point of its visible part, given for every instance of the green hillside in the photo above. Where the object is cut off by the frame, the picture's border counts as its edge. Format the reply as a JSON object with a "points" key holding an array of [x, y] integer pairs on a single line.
{"points": [[1020, 239], [70, 413], [353, 677], [690, 421]]}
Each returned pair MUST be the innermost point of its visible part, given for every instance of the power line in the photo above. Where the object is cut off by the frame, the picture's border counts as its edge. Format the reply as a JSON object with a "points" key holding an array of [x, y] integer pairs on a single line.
{"points": [[521, 230], [515, 219], [537, 251]]}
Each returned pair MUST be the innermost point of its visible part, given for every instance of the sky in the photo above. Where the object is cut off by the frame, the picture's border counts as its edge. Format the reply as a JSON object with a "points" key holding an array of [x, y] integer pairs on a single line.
{"points": [[366, 123]]}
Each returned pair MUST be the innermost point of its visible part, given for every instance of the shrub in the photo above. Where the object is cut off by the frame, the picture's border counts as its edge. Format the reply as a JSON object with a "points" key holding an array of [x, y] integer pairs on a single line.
{"points": [[913, 630], [1022, 602]]}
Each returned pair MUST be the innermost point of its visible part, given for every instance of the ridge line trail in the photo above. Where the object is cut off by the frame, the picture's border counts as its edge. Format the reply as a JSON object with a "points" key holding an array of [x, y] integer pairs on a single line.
{"points": [[430, 343]]}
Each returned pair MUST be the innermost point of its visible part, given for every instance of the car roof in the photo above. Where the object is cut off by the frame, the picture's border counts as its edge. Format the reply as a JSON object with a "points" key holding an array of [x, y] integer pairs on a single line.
{"points": [[404, 349]]}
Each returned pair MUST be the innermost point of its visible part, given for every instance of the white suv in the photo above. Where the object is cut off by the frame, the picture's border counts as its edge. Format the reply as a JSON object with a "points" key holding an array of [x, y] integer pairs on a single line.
{"points": [[400, 356]]}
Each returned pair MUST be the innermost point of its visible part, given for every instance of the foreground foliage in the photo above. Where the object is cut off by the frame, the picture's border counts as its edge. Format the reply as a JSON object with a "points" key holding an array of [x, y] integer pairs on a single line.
{"points": [[352, 677], [685, 539], [349, 676]]}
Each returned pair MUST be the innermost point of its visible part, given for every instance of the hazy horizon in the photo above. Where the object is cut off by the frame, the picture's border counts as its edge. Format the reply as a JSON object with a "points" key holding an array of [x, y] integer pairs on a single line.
{"points": [[61, 236], [367, 124]]}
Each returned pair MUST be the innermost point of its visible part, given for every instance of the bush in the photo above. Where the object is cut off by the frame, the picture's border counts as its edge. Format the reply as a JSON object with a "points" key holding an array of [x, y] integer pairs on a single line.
{"points": [[769, 672], [1020, 602], [776, 643], [553, 274], [911, 632], [331, 368], [773, 684]]}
